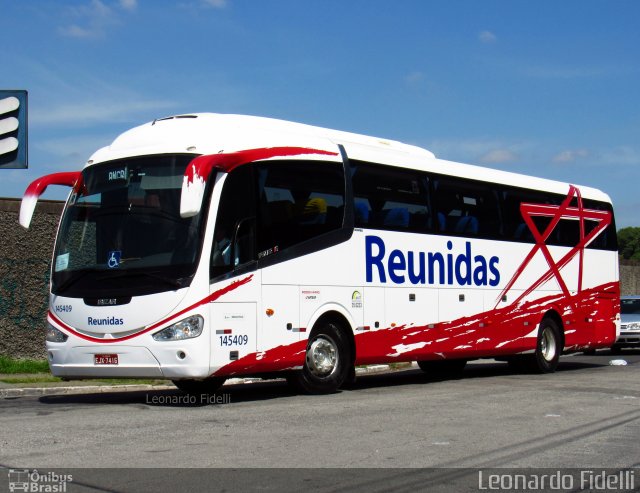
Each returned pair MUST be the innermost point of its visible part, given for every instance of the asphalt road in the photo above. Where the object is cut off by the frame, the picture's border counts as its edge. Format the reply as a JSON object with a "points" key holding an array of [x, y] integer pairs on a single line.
{"points": [[586, 415]]}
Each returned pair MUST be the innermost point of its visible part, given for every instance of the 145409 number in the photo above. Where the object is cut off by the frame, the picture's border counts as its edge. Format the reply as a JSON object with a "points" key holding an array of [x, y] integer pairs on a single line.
{"points": [[240, 340]]}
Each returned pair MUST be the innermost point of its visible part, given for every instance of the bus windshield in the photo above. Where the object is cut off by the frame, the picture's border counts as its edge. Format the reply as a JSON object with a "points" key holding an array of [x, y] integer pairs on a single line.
{"points": [[122, 234]]}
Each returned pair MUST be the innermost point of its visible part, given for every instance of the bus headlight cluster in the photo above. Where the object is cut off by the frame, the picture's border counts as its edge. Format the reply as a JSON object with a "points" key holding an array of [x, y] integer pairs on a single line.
{"points": [[55, 335], [185, 329]]}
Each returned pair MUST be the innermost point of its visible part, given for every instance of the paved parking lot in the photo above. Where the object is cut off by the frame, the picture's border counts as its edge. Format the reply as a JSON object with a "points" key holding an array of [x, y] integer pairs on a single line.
{"points": [[587, 414]]}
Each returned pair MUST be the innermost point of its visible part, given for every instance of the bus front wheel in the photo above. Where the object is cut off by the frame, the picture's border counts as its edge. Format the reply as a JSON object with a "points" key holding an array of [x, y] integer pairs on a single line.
{"points": [[326, 365], [199, 387]]}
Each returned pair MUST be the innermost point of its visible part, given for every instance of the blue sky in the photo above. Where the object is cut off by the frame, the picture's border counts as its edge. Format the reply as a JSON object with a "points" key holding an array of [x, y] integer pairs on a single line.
{"points": [[549, 88]]}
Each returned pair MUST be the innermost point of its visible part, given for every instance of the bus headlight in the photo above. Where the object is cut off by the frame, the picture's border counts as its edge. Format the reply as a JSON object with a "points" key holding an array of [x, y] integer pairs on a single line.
{"points": [[185, 329], [55, 335]]}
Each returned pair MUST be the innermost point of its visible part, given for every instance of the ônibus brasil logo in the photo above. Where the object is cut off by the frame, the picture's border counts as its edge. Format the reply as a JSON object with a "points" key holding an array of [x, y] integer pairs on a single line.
{"points": [[35, 482]]}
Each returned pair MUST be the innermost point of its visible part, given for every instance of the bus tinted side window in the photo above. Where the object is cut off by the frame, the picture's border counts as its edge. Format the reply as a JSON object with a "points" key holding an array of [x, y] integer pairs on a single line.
{"points": [[390, 198], [515, 228], [567, 230], [467, 208], [298, 201], [608, 239]]}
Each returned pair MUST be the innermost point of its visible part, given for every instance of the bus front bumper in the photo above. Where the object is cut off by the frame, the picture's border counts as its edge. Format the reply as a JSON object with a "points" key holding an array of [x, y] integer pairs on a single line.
{"points": [[120, 361]]}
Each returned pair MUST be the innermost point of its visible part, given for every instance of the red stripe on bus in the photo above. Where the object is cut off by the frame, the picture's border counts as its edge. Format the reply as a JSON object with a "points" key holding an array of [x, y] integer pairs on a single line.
{"points": [[202, 165], [504, 333]]}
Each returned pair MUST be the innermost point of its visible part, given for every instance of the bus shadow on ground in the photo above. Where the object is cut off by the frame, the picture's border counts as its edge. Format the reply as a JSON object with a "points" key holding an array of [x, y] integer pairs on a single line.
{"points": [[279, 389], [473, 370]]}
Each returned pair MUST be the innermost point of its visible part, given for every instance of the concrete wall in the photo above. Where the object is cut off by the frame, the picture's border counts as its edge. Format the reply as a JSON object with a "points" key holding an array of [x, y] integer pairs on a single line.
{"points": [[25, 259], [630, 279]]}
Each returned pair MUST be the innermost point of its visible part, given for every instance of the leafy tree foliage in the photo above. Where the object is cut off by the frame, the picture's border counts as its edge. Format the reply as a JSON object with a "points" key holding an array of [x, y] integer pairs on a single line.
{"points": [[629, 243]]}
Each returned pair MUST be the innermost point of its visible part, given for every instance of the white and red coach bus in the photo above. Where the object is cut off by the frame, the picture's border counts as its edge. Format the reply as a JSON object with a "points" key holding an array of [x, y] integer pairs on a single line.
{"points": [[200, 247]]}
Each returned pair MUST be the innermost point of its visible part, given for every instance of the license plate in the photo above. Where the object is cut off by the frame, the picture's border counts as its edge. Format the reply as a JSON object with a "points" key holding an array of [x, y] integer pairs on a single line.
{"points": [[105, 359]]}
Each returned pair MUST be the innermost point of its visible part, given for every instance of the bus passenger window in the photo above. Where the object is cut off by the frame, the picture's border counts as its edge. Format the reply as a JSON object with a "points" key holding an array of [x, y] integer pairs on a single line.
{"points": [[467, 208], [390, 198], [299, 200]]}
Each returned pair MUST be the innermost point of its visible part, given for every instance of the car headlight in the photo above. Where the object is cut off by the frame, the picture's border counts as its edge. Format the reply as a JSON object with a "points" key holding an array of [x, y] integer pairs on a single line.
{"points": [[184, 329], [55, 335], [631, 326]]}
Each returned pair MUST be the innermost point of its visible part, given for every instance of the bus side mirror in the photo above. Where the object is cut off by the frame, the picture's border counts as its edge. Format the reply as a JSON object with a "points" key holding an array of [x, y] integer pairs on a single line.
{"points": [[71, 179]]}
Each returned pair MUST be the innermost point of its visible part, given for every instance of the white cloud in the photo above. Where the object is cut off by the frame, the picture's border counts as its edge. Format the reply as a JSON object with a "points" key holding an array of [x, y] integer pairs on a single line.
{"points": [[570, 155], [621, 155], [92, 20], [487, 37], [498, 156], [94, 112], [611, 157], [565, 72], [75, 31], [129, 5], [72, 151], [414, 78], [217, 4], [476, 150]]}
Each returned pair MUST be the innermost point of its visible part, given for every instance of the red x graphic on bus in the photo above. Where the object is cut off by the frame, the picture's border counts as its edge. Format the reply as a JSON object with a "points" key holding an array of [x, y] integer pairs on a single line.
{"points": [[571, 209]]}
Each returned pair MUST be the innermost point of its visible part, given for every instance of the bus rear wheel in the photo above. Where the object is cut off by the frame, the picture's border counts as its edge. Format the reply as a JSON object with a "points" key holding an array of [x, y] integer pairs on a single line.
{"points": [[199, 387], [548, 349], [327, 362]]}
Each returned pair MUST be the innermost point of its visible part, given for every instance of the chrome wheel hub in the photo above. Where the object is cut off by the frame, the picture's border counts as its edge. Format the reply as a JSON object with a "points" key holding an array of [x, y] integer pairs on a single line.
{"points": [[548, 345], [322, 356]]}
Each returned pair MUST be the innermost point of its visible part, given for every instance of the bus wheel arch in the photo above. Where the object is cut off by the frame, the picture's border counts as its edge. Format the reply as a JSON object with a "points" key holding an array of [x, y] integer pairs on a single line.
{"points": [[329, 356], [345, 326]]}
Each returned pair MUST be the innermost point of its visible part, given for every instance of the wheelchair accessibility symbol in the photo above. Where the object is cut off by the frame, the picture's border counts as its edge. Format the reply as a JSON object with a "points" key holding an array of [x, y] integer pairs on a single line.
{"points": [[114, 259]]}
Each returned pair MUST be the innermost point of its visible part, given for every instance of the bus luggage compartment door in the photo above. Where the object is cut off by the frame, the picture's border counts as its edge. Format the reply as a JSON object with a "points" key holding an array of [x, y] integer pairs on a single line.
{"points": [[233, 332]]}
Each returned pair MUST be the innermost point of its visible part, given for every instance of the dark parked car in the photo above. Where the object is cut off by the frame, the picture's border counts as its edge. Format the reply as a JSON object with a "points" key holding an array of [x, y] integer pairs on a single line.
{"points": [[629, 323]]}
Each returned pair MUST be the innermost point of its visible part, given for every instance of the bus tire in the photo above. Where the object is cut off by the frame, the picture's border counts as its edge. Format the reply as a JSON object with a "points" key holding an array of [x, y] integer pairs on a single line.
{"points": [[445, 367], [548, 349], [327, 361], [199, 387]]}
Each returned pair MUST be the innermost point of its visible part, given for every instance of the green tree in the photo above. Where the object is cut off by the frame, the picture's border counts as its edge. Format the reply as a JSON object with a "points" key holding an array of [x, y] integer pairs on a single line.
{"points": [[629, 243]]}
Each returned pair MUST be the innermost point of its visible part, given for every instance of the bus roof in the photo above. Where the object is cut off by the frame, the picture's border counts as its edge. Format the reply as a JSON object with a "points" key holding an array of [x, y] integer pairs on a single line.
{"points": [[212, 133]]}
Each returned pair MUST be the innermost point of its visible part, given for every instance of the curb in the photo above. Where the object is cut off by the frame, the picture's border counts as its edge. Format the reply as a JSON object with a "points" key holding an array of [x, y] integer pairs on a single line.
{"points": [[80, 389], [13, 393]]}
